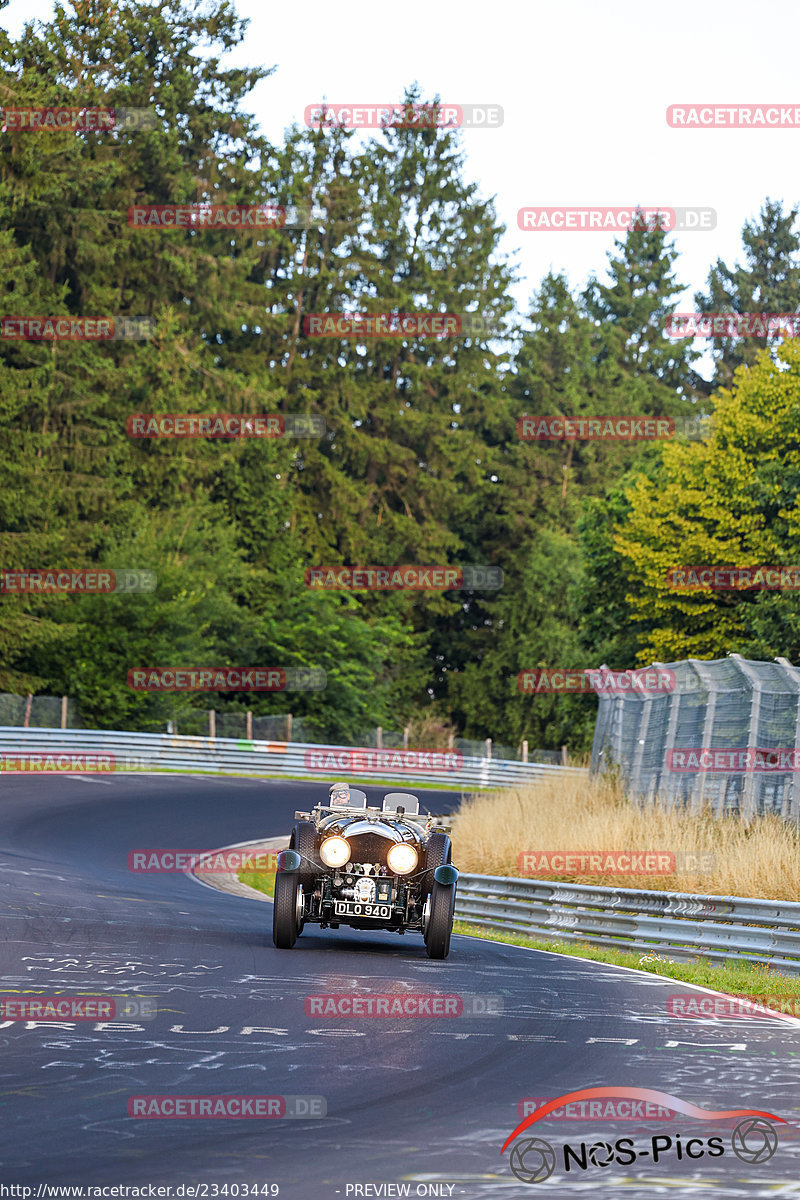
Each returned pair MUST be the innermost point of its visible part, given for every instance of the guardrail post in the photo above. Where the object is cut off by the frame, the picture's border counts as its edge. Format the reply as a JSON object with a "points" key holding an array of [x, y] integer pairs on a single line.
{"points": [[406, 735], [563, 756], [525, 751], [489, 749], [288, 727], [26, 719], [212, 723], [64, 710], [248, 731], [379, 737]]}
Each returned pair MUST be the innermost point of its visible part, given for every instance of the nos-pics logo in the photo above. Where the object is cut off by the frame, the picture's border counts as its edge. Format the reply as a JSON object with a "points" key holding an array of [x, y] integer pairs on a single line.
{"points": [[533, 1160]]}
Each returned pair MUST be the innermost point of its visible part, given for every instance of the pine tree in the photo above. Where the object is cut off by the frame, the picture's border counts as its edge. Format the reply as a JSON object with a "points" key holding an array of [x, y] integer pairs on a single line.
{"points": [[767, 282]]}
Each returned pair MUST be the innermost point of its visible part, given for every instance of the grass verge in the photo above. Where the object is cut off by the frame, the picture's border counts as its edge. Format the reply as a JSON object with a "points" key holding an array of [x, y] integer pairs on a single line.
{"points": [[259, 880], [734, 979]]}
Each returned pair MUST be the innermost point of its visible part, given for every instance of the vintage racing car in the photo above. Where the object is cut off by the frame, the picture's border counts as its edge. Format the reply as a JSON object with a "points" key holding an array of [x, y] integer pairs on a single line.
{"points": [[370, 868]]}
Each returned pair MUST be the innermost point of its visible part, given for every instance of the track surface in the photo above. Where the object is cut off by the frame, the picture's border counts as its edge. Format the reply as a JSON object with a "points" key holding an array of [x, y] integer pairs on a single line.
{"points": [[409, 1101]]}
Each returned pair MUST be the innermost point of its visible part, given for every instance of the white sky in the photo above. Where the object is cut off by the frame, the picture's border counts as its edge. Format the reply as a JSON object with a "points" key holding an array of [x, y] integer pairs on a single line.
{"points": [[584, 84]]}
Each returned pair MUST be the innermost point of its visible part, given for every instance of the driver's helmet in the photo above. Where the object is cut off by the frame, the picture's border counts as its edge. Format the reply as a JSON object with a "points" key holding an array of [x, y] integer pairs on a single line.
{"points": [[339, 795]]}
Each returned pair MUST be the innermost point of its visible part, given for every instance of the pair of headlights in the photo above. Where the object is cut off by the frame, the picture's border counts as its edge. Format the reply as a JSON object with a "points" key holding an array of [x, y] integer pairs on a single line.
{"points": [[401, 859]]}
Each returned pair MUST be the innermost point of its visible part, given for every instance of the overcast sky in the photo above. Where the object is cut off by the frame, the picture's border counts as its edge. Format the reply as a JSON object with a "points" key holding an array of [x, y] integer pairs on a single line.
{"points": [[584, 87]]}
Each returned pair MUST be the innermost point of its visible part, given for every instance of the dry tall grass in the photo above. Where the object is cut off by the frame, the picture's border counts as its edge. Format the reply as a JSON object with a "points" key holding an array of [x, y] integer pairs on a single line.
{"points": [[580, 814]]}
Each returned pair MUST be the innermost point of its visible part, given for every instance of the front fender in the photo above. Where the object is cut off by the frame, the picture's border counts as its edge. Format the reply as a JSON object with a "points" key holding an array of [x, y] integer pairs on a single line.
{"points": [[288, 861], [446, 874]]}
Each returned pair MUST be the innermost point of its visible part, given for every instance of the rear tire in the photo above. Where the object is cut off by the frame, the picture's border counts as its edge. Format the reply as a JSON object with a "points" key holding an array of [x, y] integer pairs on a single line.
{"points": [[440, 922], [284, 910]]}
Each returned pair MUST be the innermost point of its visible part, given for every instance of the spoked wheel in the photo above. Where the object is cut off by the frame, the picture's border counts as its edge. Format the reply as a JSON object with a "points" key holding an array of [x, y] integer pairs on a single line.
{"points": [[438, 919], [287, 910]]}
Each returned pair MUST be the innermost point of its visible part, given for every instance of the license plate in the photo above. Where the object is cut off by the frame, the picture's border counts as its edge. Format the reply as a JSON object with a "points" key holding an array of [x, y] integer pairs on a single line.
{"points": [[352, 908]]}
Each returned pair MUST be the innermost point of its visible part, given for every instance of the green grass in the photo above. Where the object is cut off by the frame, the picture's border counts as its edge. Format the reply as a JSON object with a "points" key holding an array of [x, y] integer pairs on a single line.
{"points": [[749, 979], [394, 784], [259, 880]]}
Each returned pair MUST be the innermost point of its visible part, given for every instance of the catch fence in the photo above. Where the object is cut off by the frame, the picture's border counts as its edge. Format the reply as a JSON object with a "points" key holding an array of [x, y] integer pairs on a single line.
{"points": [[727, 735]]}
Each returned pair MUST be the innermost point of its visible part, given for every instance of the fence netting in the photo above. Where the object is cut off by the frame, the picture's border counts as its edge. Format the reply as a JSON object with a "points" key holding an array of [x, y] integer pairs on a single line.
{"points": [[663, 743]]}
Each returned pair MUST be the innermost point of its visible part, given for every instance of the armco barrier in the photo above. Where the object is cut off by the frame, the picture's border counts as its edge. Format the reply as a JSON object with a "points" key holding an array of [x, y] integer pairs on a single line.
{"points": [[680, 926], [235, 756]]}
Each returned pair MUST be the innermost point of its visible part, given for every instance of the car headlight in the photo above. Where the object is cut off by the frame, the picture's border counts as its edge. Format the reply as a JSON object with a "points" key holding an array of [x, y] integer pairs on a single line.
{"points": [[335, 851], [402, 858]]}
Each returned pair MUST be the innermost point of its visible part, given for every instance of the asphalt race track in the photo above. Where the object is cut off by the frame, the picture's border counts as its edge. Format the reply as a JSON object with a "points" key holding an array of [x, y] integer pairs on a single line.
{"points": [[417, 1103]]}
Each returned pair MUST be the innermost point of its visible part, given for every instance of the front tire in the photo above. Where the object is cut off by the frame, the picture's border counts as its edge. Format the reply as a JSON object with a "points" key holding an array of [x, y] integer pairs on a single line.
{"points": [[303, 839], [285, 924], [438, 852], [440, 921]]}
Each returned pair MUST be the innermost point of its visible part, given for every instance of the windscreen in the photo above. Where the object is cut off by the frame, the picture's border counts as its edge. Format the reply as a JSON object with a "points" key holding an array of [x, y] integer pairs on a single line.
{"points": [[394, 800], [348, 798]]}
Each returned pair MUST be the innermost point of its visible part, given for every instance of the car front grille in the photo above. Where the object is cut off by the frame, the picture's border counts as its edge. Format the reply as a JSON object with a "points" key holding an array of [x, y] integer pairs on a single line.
{"points": [[369, 848]]}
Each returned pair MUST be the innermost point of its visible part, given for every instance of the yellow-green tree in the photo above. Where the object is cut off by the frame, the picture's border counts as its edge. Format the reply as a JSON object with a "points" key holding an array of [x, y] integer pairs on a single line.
{"points": [[732, 500]]}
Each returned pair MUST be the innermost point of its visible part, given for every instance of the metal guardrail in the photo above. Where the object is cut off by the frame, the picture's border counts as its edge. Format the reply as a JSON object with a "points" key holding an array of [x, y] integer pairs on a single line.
{"points": [[236, 756], [681, 926]]}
